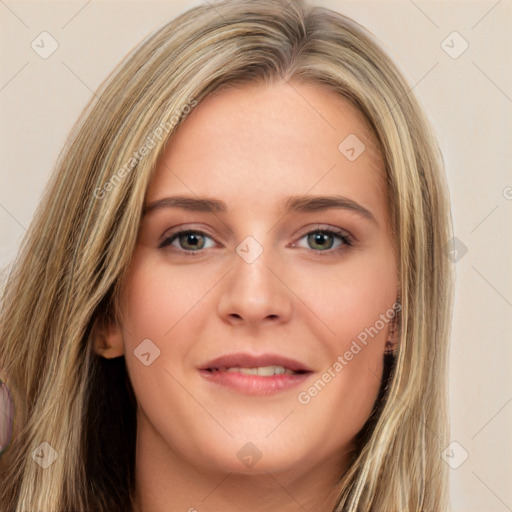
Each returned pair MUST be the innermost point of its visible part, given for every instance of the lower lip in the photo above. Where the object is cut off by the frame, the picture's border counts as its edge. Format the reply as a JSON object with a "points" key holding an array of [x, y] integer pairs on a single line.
{"points": [[254, 384]]}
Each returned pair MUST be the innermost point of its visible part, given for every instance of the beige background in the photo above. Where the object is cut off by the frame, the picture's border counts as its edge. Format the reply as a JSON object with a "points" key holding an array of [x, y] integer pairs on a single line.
{"points": [[468, 99]]}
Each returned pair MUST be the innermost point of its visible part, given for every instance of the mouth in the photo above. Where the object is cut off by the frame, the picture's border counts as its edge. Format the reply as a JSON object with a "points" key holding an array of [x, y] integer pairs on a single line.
{"points": [[255, 374], [264, 365], [261, 371]]}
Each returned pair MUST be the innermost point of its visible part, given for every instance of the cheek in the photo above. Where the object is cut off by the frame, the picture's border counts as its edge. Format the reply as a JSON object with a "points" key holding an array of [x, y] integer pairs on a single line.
{"points": [[355, 304], [341, 402], [165, 306], [350, 298], [158, 298]]}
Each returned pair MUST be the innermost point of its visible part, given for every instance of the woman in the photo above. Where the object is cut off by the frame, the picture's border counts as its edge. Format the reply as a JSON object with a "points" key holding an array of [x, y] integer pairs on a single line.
{"points": [[234, 294]]}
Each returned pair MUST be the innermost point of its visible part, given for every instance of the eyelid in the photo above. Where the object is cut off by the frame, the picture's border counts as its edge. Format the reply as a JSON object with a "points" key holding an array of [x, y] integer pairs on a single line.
{"points": [[325, 228]]}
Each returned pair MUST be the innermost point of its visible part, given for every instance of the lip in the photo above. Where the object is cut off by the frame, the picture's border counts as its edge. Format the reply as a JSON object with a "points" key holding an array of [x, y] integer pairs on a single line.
{"points": [[242, 360], [254, 384]]}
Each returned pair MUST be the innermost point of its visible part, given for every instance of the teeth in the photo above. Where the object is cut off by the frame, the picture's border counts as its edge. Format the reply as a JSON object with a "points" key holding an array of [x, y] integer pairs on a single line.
{"points": [[263, 371], [267, 370], [249, 371]]}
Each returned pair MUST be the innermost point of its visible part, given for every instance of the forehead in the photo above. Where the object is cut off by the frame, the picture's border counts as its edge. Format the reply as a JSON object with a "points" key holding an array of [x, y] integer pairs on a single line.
{"points": [[255, 144]]}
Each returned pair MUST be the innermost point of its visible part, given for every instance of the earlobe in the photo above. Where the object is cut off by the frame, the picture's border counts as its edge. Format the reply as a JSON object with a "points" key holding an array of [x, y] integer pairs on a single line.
{"points": [[108, 340]]}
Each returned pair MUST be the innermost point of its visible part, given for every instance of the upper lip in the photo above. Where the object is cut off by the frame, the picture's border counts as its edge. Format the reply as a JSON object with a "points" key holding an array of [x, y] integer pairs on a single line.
{"points": [[241, 360]]}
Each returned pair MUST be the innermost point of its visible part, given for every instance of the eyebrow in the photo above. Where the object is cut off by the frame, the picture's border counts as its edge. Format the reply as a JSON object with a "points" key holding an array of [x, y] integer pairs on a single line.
{"points": [[301, 204]]}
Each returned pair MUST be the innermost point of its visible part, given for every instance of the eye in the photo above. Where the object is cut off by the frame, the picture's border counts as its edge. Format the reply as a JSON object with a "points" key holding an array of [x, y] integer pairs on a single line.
{"points": [[324, 240], [321, 240], [188, 240]]}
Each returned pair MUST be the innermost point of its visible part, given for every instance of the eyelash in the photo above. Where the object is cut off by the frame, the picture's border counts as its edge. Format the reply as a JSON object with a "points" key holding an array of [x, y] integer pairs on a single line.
{"points": [[345, 238]]}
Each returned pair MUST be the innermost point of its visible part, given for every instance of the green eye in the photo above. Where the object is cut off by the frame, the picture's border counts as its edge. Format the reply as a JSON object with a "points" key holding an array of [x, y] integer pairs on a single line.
{"points": [[319, 240], [323, 240]]}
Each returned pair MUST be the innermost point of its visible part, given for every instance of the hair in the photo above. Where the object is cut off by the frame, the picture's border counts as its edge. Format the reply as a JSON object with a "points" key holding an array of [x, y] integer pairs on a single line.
{"points": [[73, 259]]}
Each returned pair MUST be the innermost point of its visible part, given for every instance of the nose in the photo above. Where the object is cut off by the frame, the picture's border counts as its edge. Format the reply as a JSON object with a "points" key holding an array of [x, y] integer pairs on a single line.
{"points": [[255, 292]]}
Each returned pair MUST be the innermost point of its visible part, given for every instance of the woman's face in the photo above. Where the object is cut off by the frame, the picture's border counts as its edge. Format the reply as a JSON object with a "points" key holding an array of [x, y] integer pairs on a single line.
{"points": [[256, 342]]}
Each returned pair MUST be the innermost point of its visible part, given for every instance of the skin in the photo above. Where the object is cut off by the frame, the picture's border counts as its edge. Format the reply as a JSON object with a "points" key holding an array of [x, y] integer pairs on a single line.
{"points": [[252, 147]]}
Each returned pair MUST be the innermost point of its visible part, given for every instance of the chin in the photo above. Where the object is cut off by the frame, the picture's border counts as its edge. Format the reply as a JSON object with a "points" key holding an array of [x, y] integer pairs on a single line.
{"points": [[260, 455]]}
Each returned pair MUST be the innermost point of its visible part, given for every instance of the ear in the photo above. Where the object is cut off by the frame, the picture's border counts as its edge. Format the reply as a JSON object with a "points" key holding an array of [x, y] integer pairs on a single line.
{"points": [[107, 339]]}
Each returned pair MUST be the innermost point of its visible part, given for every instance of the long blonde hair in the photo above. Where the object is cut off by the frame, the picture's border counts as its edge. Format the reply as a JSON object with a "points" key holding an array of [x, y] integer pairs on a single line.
{"points": [[75, 255]]}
